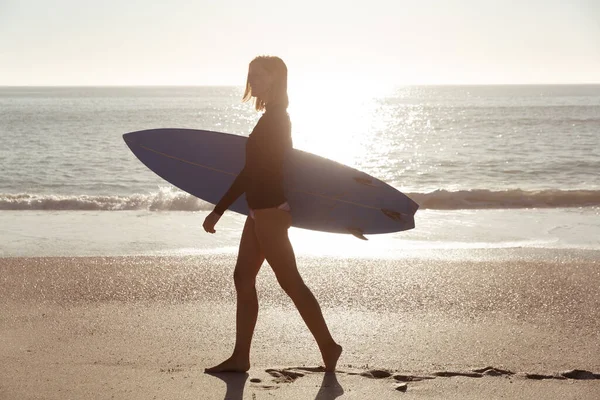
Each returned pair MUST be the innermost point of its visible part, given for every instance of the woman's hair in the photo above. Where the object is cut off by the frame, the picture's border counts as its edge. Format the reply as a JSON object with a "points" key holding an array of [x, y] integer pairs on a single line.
{"points": [[278, 92]]}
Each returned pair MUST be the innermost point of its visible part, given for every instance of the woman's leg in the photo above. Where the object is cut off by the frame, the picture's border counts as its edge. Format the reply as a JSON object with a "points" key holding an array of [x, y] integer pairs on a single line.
{"points": [[249, 261], [272, 233]]}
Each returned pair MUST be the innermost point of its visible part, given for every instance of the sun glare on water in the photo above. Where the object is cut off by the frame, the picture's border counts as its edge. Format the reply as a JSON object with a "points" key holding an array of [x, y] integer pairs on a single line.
{"points": [[333, 120], [339, 121]]}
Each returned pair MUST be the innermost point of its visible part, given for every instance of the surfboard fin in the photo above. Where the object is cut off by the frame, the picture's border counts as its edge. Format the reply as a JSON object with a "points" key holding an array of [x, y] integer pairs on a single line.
{"points": [[357, 233], [395, 215], [364, 181]]}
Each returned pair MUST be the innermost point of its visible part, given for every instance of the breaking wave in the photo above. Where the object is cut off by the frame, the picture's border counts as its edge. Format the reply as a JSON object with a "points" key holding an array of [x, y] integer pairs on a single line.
{"points": [[171, 200], [481, 199]]}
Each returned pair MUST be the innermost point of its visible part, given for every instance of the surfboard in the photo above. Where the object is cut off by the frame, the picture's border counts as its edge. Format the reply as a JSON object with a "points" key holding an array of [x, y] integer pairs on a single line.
{"points": [[324, 195]]}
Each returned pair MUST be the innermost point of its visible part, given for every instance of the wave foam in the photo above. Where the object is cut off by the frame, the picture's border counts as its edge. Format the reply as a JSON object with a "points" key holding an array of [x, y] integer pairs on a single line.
{"points": [[173, 200], [163, 200], [516, 198]]}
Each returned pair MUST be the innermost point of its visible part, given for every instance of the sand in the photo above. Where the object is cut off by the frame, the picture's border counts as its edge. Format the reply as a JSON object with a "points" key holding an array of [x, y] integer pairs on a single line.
{"points": [[485, 327]]}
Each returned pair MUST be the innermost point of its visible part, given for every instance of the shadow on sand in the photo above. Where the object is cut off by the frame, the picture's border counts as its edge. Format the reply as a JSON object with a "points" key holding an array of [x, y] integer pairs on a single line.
{"points": [[235, 382]]}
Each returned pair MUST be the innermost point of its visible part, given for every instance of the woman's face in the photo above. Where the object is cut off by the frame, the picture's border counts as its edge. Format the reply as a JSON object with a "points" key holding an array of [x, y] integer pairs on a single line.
{"points": [[260, 80]]}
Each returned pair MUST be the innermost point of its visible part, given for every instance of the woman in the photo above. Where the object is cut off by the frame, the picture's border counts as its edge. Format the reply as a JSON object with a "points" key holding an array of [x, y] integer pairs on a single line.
{"points": [[265, 234]]}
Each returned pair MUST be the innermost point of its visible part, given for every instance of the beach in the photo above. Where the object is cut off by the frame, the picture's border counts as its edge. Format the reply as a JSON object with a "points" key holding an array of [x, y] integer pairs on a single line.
{"points": [[139, 327]]}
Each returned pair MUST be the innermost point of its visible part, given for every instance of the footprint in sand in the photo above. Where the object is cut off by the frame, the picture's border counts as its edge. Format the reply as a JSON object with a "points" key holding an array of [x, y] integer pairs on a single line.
{"points": [[267, 387], [491, 371], [540, 377], [289, 375], [376, 374], [284, 375], [310, 369], [263, 387], [579, 374], [411, 378], [447, 374]]}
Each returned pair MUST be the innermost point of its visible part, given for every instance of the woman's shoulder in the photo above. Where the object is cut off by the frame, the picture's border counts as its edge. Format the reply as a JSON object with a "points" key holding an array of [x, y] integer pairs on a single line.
{"points": [[274, 119]]}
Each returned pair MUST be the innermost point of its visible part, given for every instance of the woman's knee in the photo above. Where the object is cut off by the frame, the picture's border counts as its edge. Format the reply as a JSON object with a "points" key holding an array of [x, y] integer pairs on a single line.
{"points": [[244, 281], [292, 285]]}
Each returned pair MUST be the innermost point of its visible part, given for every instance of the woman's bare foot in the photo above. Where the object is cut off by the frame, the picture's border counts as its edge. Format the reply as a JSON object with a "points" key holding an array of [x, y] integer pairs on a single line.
{"points": [[331, 356], [232, 364]]}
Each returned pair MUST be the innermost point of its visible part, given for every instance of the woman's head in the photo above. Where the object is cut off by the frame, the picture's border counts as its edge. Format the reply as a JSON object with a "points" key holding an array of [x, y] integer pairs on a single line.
{"points": [[267, 82]]}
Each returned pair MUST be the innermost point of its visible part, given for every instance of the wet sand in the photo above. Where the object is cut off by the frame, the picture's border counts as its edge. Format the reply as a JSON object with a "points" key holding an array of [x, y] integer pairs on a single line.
{"points": [[503, 325]]}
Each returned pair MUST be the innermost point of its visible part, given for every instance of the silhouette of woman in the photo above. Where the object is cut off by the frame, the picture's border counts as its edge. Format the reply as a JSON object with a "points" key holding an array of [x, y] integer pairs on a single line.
{"points": [[265, 234]]}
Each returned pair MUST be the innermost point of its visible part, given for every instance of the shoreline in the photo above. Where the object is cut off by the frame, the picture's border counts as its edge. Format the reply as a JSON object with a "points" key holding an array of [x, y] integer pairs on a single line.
{"points": [[483, 234], [493, 254]]}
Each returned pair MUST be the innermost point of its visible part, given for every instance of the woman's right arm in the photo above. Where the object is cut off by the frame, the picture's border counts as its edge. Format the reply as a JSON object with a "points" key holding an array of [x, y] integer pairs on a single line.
{"points": [[237, 188]]}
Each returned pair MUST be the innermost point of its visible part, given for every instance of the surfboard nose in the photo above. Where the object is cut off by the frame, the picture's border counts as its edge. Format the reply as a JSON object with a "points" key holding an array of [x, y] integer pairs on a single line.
{"points": [[129, 138]]}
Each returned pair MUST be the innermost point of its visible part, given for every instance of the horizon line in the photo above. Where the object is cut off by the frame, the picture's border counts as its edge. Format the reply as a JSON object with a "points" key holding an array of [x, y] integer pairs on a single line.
{"points": [[234, 85]]}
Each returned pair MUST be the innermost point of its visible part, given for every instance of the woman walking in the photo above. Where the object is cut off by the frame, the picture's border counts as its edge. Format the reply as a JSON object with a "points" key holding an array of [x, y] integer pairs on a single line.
{"points": [[265, 234]]}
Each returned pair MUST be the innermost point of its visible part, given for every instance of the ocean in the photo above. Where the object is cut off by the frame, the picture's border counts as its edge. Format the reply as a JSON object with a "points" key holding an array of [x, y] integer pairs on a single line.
{"points": [[491, 167]]}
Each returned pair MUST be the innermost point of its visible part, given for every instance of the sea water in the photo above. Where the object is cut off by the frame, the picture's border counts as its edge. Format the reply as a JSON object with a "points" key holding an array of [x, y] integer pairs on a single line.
{"points": [[490, 166]]}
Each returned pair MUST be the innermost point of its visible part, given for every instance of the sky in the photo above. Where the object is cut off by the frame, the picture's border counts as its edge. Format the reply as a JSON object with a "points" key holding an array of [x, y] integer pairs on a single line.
{"points": [[150, 42]]}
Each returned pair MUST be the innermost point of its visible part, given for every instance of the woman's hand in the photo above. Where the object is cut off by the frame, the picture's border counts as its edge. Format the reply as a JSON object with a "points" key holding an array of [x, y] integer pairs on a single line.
{"points": [[210, 222]]}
